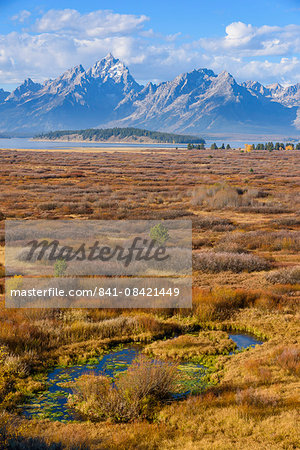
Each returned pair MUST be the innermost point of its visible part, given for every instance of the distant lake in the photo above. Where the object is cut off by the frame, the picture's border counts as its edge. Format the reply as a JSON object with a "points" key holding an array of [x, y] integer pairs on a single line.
{"points": [[26, 143]]}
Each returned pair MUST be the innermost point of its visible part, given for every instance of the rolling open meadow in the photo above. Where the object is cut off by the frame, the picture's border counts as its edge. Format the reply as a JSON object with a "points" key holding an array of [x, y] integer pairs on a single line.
{"points": [[244, 207]]}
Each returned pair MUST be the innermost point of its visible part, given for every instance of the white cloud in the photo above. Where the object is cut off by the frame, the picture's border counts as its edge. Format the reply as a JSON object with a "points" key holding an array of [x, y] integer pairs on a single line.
{"points": [[282, 70], [255, 41], [102, 23], [22, 16], [237, 34], [60, 39], [64, 38]]}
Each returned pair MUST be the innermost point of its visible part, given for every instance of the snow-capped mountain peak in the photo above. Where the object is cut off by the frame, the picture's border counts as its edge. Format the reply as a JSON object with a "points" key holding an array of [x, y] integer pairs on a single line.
{"points": [[27, 88], [275, 87], [109, 67], [107, 95]]}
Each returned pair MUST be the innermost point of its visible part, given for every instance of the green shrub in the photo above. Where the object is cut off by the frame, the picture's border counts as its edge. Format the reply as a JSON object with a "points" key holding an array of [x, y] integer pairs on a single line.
{"points": [[159, 233]]}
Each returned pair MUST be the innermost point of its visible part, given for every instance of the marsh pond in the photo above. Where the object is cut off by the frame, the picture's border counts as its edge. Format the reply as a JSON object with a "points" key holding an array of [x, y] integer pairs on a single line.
{"points": [[53, 403]]}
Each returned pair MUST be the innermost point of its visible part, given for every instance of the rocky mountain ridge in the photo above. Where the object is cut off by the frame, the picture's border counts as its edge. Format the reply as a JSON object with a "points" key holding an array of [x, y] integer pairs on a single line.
{"points": [[107, 95]]}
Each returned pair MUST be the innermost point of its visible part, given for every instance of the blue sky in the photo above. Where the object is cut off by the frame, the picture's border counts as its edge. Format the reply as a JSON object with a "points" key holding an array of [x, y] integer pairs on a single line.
{"points": [[258, 39]]}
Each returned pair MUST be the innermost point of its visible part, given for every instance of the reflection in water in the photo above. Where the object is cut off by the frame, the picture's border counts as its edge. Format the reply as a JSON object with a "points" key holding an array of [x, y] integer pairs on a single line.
{"points": [[52, 404], [244, 341]]}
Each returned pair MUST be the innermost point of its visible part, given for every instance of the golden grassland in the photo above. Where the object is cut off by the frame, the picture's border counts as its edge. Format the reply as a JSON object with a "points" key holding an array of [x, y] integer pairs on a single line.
{"points": [[246, 227], [191, 347]]}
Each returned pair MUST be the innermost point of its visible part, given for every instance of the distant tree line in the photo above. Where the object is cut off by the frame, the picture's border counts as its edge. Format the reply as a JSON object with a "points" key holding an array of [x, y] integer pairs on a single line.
{"points": [[200, 146], [277, 146], [213, 146], [95, 134], [267, 146]]}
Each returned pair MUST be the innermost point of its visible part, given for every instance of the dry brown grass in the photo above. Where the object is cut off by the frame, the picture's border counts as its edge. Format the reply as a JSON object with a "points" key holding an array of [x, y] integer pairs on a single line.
{"points": [[289, 359], [265, 240], [215, 262], [235, 212], [136, 393], [289, 275], [221, 303], [219, 196], [191, 348]]}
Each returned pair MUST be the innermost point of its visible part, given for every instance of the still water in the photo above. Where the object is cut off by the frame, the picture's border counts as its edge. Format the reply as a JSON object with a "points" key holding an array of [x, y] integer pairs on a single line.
{"points": [[28, 144], [53, 403]]}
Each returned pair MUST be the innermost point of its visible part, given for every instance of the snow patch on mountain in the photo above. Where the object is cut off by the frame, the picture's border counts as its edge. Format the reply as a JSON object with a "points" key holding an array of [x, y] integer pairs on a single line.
{"points": [[106, 94]]}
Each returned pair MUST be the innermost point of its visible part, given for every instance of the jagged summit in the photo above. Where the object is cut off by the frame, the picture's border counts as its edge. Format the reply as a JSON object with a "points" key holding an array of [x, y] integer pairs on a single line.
{"points": [[108, 66], [3, 94], [74, 71], [287, 96], [275, 87], [109, 57], [71, 75], [111, 69], [107, 95], [25, 89], [224, 75], [255, 86]]}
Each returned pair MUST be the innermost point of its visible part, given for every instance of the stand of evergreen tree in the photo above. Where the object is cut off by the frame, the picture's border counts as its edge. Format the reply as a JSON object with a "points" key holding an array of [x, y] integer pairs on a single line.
{"points": [[95, 134]]}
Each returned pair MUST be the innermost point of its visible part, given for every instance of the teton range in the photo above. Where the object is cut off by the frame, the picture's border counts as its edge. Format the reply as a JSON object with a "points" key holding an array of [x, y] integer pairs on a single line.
{"points": [[107, 95]]}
